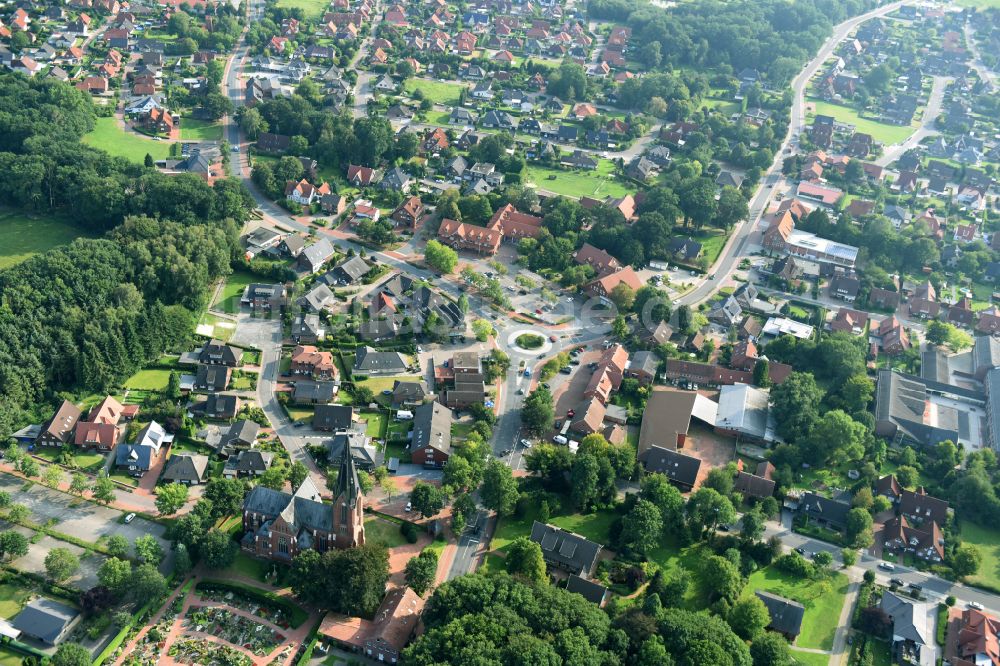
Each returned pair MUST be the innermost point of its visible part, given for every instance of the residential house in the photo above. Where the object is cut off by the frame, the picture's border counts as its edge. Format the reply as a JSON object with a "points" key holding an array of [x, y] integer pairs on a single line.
{"points": [[786, 615], [188, 469], [824, 511], [263, 296], [213, 378], [566, 551], [46, 621], [216, 352], [58, 430], [305, 193], [409, 214], [603, 286], [218, 406], [758, 484], [315, 256], [368, 361], [248, 463], [361, 176], [395, 179], [308, 360], [307, 329], [681, 469], [314, 393], [431, 440], [912, 629]]}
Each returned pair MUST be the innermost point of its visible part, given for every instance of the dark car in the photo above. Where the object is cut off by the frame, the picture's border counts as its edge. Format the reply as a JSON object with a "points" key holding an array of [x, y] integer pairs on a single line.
{"points": [[800, 550], [566, 370], [898, 582]]}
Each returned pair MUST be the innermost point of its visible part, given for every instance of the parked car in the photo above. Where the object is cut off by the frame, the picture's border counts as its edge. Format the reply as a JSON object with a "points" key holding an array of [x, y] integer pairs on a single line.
{"points": [[975, 604], [886, 566], [409, 507], [552, 338], [129, 518], [898, 582], [566, 370]]}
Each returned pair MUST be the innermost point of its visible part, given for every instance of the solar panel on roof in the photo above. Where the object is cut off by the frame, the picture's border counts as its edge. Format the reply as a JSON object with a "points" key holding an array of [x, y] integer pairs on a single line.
{"points": [[549, 541], [567, 549]]}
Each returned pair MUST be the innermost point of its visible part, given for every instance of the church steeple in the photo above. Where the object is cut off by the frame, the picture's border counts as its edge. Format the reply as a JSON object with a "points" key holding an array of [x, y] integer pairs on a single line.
{"points": [[348, 505]]}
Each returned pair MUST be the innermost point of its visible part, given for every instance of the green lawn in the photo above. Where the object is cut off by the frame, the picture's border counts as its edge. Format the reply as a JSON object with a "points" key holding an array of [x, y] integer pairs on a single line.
{"points": [[12, 598], [881, 132], [149, 380], [122, 477], [379, 384], [212, 326], [380, 530], [248, 566], [810, 658], [91, 462], [437, 118], [439, 92], [376, 422], [711, 244], [979, 4], [598, 183], [201, 130], [229, 297], [313, 7], [823, 602], [724, 106], [22, 236], [594, 526], [987, 540], [10, 658], [108, 136]]}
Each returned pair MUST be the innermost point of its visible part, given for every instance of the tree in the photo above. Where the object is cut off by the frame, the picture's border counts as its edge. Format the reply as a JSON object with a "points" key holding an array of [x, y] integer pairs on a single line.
{"points": [[732, 208], [421, 570], [849, 556], [942, 333], [52, 476], [770, 649], [365, 482], [723, 577], [584, 478], [458, 474], [524, 560], [762, 373], [748, 617], [182, 560], [71, 654], [226, 496], [499, 490], [350, 581], [642, 527], [147, 583], [668, 499], [859, 528], [752, 527], [538, 411], [623, 296], [707, 508], [13, 545], [217, 550], [297, 473], [60, 564], [29, 467], [117, 546], [966, 560], [115, 574], [834, 435], [273, 478], [148, 549], [427, 500], [18, 513], [440, 257], [170, 498], [174, 385], [795, 405], [77, 483], [823, 559], [252, 123], [907, 476], [103, 490]]}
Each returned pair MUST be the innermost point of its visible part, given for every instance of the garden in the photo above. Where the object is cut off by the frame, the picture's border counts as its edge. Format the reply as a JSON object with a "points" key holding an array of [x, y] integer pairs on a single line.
{"points": [[234, 628], [823, 598], [598, 183], [196, 651]]}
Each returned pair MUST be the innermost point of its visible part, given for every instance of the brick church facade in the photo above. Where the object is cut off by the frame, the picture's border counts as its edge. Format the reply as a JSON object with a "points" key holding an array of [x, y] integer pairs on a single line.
{"points": [[280, 525]]}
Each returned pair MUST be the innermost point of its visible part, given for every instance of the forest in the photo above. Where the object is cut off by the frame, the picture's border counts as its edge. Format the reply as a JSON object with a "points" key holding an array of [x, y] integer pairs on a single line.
{"points": [[773, 36], [86, 316]]}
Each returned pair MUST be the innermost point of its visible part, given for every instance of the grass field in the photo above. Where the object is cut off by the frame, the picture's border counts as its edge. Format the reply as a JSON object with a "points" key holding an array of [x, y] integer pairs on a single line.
{"points": [[979, 4], [598, 183], [108, 136], [212, 326], [149, 380], [12, 598], [988, 542], [313, 7], [882, 132], [810, 658], [229, 297], [379, 384], [711, 244], [594, 526], [823, 602], [22, 236], [375, 423], [201, 130], [439, 92], [10, 658], [249, 567], [379, 530]]}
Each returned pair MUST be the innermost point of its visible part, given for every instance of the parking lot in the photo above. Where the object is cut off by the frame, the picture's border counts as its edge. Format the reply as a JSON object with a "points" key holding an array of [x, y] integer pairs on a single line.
{"points": [[79, 518]]}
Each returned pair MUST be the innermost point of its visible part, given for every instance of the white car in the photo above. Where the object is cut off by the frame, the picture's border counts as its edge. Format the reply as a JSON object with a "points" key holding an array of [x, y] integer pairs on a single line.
{"points": [[526, 443], [886, 566], [129, 518], [976, 605], [409, 507]]}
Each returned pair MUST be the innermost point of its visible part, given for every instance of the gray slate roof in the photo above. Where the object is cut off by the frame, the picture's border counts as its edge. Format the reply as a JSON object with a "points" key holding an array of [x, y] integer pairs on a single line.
{"points": [[432, 427], [186, 467], [44, 619], [566, 549]]}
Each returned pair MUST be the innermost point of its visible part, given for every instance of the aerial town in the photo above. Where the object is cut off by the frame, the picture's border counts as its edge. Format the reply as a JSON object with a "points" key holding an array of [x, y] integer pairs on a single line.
{"points": [[504, 332]]}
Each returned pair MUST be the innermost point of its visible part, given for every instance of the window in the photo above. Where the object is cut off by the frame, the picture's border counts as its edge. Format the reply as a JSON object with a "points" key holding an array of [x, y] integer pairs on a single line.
{"points": [[343, 513], [283, 545]]}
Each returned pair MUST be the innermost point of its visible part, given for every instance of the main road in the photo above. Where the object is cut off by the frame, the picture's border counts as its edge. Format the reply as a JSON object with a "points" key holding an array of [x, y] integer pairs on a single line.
{"points": [[736, 245]]}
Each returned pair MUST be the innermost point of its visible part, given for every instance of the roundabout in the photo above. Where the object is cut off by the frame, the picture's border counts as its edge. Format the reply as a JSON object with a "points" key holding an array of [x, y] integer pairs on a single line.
{"points": [[527, 341]]}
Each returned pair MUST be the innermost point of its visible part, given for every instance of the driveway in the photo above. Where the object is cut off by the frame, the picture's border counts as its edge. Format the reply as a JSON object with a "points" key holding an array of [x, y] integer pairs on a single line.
{"points": [[79, 518]]}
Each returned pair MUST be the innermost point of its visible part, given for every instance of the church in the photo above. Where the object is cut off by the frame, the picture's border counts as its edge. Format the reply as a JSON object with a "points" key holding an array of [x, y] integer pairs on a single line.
{"points": [[280, 525]]}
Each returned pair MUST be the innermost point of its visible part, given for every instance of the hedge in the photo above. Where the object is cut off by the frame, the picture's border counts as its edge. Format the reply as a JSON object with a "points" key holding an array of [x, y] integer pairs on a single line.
{"points": [[942, 623], [310, 643], [296, 615]]}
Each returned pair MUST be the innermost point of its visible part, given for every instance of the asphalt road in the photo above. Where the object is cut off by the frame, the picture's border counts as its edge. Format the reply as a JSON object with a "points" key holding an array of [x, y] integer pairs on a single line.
{"points": [[469, 546]]}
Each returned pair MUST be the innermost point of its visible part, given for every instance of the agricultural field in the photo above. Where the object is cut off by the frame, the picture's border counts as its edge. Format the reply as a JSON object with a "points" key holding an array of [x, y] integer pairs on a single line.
{"points": [[882, 132], [22, 236], [114, 140], [597, 184]]}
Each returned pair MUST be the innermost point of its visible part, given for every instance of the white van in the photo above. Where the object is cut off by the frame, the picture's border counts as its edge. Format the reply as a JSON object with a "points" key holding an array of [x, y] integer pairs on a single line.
{"points": [[560, 439], [404, 415]]}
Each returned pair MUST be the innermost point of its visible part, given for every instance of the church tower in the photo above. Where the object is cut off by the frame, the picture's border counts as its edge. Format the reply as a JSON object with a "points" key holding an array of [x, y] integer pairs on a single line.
{"points": [[348, 506]]}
